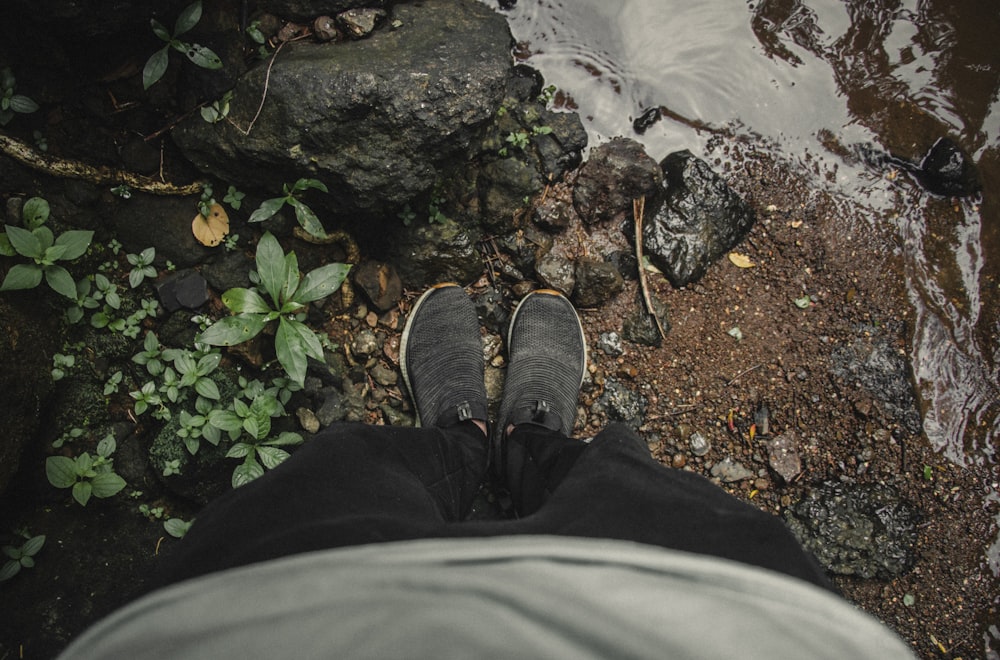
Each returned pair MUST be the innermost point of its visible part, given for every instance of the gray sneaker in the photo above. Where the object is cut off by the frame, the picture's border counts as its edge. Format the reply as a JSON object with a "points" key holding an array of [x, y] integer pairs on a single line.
{"points": [[441, 354], [547, 359]]}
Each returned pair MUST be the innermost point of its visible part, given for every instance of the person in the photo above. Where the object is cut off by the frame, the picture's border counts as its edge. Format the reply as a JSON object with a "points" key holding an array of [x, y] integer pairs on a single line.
{"points": [[359, 546]]}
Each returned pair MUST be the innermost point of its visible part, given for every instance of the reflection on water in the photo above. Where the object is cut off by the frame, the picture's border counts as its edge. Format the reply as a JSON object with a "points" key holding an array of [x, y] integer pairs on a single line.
{"points": [[815, 79]]}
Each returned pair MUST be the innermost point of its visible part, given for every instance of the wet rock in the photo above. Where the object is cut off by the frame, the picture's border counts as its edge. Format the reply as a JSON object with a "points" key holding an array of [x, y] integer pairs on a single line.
{"points": [[727, 471], [610, 343], [384, 375], [699, 444], [302, 10], [524, 246], [490, 309], [184, 289], [380, 283], [307, 420], [783, 456], [228, 270], [615, 174], [554, 214], [640, 328], [865, 530], [701, 218], [873, 362], [504, 184], [557, 272], [947, 170], [365, 344], [359, 23], [596, 282], [621, 404], [395, 417], [376, 120], [429, 253], [333, 407], [325, 29]]}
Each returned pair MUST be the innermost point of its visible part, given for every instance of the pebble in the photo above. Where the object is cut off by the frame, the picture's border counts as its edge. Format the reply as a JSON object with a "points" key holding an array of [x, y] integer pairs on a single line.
{"points": [[365, 344], [307, 420], [699, 444]]}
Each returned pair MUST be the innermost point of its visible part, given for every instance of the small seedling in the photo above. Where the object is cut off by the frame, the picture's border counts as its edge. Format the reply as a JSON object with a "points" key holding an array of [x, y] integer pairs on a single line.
{"points": [[86, 475], [157, 63], [142, 266], [11, 102], [22, 556], [177, 527], [303, 213], [217, 110]]}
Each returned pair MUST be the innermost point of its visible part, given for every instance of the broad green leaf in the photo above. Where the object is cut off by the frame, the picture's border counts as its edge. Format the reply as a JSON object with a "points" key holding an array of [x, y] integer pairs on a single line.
{"points": [[22, 276], [155, 67], [267, 209], [239, 450], [246, 472], [226, 420], [82, 491], [35, 212], [27, 562], [25, 242], [307, 218], [203, 56], [59, 279], [285, 438], [44, 236], [291, 349], [107, 446], [177, 527], [160, 30], [76, 241], [271, 266], [6, 249], [188, 18], [309, 341], [53, 253], [9, 570], [321, 282], [303, 184], [22, 104], [233, 330], [61, 471], [207, 388], [209, 363], [33, 545], [242, 300], [107, 484], [272, 457], [291, 282]]}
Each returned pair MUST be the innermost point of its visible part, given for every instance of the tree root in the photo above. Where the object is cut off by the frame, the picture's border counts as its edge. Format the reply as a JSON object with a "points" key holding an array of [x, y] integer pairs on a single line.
{"points": [[73, 169]]}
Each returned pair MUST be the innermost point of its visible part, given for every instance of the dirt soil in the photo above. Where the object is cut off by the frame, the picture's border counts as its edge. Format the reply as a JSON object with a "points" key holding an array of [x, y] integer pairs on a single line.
{"points": [[701, 379]]}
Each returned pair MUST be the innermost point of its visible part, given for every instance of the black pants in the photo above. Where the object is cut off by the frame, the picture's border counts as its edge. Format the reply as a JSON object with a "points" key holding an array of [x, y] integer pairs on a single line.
{"points": [[356, 484]]}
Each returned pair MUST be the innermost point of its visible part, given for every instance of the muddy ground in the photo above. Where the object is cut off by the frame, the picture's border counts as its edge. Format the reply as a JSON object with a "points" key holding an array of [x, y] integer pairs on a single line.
{"points": [[701, 379]]}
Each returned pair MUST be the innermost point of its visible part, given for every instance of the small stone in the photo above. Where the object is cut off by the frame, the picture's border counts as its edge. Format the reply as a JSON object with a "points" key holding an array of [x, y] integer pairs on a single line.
{"points": [[727, 470], [185, 289], [678, 460], [365, 344], [610, 343], [699, 444], [359, 23], [557, 273], [783, 457], [324, 29], [380, 283], [307, 420], [385, 376]]}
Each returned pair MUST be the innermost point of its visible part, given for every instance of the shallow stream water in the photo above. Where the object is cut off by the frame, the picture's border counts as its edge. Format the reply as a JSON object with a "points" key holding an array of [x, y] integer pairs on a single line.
{"points": [[812, 80]]}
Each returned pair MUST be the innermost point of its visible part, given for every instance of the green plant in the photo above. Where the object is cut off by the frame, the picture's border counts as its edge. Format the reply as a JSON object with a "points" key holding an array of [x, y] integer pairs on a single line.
{"points": [[83, 301], [172, 467], [146, 397], [22, 556], [305, 216], [11, 102], [177, 527], [86, 475], [288, 295], [68, 436], [142, 266], [112, 383], [234, 198], [122, 190], [150, 355], [157, 63], [217, 110], [269, 452], [151, 512], [60, 363], [37, 242]]}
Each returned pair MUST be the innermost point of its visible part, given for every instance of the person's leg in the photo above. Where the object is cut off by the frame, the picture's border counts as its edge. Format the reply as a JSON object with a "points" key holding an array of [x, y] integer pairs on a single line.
{"points": [[611, 487], [357, 484]]}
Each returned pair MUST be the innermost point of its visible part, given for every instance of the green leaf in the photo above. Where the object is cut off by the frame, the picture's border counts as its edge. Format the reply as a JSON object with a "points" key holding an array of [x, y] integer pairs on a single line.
{"points": [[291, 282], [226, 420], [177, 527], [249, 470], [107, 484], [203, 56], [9, 570], [309, 342], [6, 249], [59, 279], [33, 545], [267, 209], [240, 301], [188, 18], [207, 388], [303, 184], [27, 562], [272, 457], [22, 276], [271, 266], [284, 439], [307, 218], [208, 363], [160, 30], [61, 471], [107, 446], [233, 330], [76, 242], [291, 349], [321, 282], [52, 254], [82, 491], [35, 212], [155, 67], [239, 450], [44, 236], [22, 104], [26, 242]]}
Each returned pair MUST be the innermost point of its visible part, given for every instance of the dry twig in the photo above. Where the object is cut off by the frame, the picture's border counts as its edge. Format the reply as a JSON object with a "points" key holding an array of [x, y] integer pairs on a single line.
{"points": [[638, 209]]}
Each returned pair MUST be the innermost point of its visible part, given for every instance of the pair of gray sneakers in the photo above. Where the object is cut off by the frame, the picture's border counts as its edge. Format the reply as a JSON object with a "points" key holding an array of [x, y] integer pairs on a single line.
{"points": [[442, 361]]}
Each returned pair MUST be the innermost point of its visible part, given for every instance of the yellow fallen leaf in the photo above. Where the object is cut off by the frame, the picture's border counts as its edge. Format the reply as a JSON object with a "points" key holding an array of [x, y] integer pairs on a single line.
{"points": [[740, 260], [211, 230]]}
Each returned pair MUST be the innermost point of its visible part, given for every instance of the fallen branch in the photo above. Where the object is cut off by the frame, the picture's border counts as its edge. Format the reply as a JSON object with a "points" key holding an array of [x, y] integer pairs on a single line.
{"points": [[638, 209], [73, 169]]}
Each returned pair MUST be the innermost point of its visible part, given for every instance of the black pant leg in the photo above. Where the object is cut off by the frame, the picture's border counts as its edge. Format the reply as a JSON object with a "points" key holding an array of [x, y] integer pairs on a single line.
{"points": [[350, 485], [613, 488]]}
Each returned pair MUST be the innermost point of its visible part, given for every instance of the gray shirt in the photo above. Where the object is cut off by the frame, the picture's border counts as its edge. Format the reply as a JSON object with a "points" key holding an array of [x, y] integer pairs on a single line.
{"points": [[497, 597]]}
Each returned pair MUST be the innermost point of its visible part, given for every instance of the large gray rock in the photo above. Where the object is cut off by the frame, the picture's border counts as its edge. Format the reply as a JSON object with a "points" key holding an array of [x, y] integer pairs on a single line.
{"points": [[616, 173], [303, 10], [701, 218], [375, 120]]}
